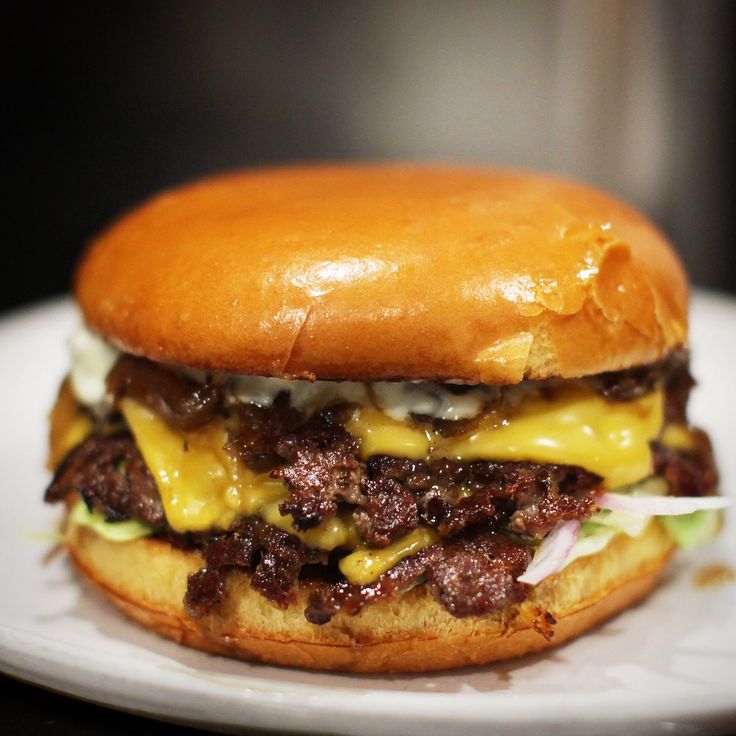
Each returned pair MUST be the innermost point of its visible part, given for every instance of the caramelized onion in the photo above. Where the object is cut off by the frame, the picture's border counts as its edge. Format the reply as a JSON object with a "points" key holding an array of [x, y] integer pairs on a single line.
{"points": [[181, 402]]}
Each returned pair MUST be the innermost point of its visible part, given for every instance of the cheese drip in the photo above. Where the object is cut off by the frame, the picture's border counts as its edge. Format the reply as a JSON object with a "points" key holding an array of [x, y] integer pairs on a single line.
{"points": [[575, 427], [363, 566], [203, 487]]}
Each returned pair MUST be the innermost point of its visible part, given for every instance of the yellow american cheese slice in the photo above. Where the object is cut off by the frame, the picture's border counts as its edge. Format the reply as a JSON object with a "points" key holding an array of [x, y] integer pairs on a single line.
{"points": [[339, 531], [202, 486], [577, 427], [364, 565], [678, 437]]}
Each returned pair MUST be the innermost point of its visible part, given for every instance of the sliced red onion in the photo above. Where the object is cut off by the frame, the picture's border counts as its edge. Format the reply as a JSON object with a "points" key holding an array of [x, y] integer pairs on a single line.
{"points": [[551, 553], [661, 505]]}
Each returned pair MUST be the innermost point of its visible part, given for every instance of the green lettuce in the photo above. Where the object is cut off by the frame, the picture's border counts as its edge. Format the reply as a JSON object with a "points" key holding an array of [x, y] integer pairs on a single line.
{"points": [[693, 530], [115, 531]]}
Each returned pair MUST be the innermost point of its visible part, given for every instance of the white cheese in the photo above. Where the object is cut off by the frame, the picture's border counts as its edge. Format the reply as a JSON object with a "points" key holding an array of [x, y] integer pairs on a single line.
{"points": [[307, 396], [399, 399], [92, 359]]}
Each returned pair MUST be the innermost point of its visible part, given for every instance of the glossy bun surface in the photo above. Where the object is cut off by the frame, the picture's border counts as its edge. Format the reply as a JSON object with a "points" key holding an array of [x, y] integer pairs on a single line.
{"points": [[387, 271]]}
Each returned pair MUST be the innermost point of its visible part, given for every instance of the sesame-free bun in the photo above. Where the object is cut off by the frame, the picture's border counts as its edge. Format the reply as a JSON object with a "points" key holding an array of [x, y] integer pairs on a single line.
{"points": [[387, 271], [147, 580]]}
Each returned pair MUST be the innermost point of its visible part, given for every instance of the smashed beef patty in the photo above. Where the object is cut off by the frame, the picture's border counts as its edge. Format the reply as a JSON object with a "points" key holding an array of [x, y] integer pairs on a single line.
{"points": [[472, 505]]}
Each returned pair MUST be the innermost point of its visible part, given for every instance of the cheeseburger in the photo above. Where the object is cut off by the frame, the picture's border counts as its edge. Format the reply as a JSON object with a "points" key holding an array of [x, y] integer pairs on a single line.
{"points": [[379, 417]]}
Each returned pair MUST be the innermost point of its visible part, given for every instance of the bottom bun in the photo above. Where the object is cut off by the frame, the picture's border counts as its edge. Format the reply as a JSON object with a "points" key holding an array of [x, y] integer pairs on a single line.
{"points": [[147, 579]]}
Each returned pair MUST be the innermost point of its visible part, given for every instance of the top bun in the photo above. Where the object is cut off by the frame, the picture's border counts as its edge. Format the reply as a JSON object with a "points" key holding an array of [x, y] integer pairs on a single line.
{"points": [[387, 272]]}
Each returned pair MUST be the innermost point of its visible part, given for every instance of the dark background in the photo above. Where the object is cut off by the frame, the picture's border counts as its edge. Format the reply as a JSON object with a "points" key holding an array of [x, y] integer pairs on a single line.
{"points": [[108, 102]]}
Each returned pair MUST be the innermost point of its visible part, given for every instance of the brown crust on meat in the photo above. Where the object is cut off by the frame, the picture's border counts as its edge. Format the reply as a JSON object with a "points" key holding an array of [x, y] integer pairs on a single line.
{"points": [[147, 580], [387, 271]]}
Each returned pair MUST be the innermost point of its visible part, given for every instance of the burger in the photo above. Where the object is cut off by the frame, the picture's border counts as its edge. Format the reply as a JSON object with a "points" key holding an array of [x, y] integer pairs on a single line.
{"points": [[379, 418]]}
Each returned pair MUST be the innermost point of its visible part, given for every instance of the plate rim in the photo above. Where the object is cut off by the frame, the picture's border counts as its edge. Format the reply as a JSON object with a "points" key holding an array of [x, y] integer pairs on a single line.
{"points": [[30, 656]]}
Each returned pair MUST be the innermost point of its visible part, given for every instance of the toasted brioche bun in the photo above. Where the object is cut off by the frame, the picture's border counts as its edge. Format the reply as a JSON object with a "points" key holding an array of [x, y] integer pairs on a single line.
{"points": [[147, 579], [374, 272], [387, 271]]}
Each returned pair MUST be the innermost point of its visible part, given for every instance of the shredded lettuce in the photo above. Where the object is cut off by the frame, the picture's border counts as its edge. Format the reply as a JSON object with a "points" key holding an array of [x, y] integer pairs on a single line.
{"points": [[655, 485], [687, 531], [592, 538], [595, 533], [621, 521], [693, 530], [115, 531]]}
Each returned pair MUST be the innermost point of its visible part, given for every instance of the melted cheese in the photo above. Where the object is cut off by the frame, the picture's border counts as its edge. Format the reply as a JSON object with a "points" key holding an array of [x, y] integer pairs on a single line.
{"points": [[92, 359], [581, 428], [69, 426], [577, 427], [339, 531], [364, 565], [678, 437], [194, 476], [76, 430], [381, 435], [203, 487]]}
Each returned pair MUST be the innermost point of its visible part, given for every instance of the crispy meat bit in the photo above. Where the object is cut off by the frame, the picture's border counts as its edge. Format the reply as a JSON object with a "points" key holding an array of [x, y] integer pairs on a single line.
{"points": [[477, 574], [632, 383], [472, 575], [453, 494], [627, 385], [547, 494], [388, 511], [678, 384], [110, 475], [260, 429], [414, 475], [205, 589], [322, 470], [274, 558], [470, 511], [689, 472]]}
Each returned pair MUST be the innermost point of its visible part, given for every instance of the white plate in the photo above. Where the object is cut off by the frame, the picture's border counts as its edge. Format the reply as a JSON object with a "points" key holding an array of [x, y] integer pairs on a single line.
{"points": [[667, 665]]}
